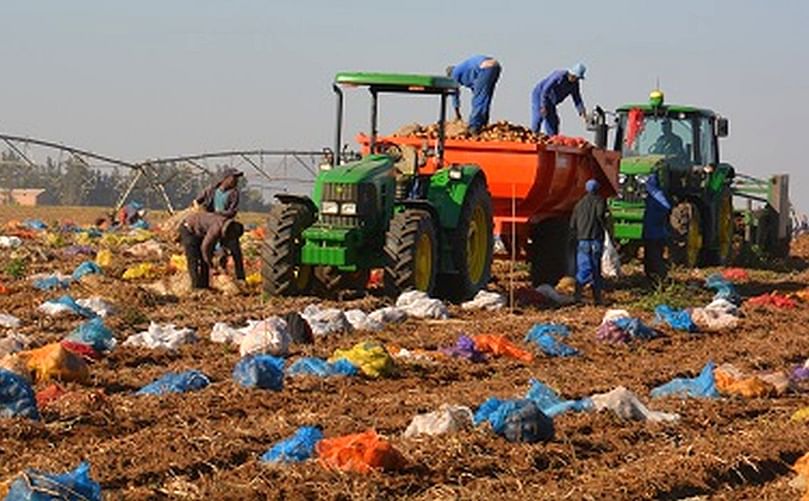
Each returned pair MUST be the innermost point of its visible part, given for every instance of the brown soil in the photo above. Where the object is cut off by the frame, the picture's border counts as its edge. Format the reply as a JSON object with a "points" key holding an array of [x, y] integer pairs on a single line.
{"points": [[205, 445]]}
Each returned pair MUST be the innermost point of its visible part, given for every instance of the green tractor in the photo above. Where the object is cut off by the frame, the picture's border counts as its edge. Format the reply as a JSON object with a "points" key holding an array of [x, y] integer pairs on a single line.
{"points": [[680, 144], [400, 209]]}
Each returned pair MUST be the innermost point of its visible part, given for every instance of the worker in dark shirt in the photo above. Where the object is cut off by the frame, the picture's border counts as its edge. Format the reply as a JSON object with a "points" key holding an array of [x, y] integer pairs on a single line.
{"points": [[480, 74], [199, 234], [222, 197], [669, 143], [655, 230], [550, 92], [587, 227]]}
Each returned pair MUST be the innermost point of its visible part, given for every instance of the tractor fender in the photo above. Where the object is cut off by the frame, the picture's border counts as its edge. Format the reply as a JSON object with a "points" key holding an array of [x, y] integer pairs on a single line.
{"points": [[286, 198], [447, 195], [424, 205]]}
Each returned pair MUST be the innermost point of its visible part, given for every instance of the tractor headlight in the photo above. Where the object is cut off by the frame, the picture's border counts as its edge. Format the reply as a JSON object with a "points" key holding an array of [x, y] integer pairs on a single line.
{"points": [[641, 180], [329, 208], [621, 179], [348, 209]]}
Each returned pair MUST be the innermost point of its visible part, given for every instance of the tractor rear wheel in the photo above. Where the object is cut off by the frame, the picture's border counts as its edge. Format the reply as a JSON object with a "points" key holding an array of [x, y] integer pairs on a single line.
{"points": [[687, 237], [329, 280], [281, 272], [549, 251], [472, 244], [411, 252]]}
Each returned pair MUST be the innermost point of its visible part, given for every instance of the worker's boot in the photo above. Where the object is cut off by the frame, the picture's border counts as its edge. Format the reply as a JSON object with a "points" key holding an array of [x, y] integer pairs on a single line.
{"points": [[597, 297], [577, 293]]}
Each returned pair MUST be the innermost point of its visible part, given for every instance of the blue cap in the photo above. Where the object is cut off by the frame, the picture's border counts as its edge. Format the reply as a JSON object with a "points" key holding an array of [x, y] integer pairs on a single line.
{"points": [[578, 71], [591, 186]]}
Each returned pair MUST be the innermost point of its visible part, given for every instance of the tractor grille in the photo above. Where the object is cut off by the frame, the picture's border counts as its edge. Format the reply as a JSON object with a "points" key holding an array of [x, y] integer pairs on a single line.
{"points": [[340, 192], [632, 191], [364, 195]]}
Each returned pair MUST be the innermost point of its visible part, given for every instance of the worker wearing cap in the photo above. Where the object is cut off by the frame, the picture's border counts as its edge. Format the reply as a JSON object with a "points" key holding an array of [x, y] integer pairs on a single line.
{"points": [[199, 234], [480, 74], [587, 226], [222, 197], [551, 91]]}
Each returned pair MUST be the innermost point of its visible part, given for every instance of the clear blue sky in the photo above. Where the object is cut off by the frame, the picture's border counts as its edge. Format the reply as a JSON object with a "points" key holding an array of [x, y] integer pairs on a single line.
{"points": [[153, 78]]}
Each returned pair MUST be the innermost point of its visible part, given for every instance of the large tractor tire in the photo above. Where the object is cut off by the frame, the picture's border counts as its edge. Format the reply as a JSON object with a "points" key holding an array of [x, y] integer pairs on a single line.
{"points": [[329, 280], [281, 273], [687, 237], [550, 251], [472, 244], [411, 252]]}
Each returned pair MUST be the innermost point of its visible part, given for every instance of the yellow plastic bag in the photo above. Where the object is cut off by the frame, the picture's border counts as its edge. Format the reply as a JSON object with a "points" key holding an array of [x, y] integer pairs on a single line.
{"points": [[54, 240], [142, 270], [53, 361], [110, 240], [104, 258], [178, 262], [801, 415], [253, 279], [83, 238], [370, 357]]}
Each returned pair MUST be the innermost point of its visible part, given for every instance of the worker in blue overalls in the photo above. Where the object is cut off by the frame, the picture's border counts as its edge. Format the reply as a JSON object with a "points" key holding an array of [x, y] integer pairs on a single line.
{"points": [[551, 91], [480, 74], [655, 230]]}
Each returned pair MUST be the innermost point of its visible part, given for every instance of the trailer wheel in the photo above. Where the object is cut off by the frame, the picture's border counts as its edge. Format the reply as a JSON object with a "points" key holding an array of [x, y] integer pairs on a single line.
{"points": [[687, 238], [281, 273], [411, 252], [549, 251], [329, 280]]}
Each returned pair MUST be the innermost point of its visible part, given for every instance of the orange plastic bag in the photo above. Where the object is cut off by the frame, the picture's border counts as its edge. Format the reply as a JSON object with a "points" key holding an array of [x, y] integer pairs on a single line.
{"points": [[3, 289], [500, 346], [730, 382], [801, 467], [49, 394], [361, 453], [736, 274], [53, 361]]}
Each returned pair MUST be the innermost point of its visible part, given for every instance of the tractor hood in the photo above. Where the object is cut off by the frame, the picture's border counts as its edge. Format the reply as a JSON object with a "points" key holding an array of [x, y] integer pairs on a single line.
{"points": [[642, 165], [367, 168]]}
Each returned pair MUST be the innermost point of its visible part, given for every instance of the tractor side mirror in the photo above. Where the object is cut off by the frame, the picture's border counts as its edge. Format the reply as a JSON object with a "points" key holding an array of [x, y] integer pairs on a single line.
{"points": [[722, 127]]}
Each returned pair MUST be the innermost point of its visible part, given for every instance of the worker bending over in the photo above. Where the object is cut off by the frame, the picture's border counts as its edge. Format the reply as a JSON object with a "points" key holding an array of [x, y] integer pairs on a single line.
{"points": [[551, 91], [222, 197], [587, 227], [199, 234], [480, 74]]}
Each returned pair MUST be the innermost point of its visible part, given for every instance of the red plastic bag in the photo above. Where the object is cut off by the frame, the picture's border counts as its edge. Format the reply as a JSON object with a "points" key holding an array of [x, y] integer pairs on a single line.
{"points": [[49, 394], [500, 346], [3, 289], [85, 351], [736, 274], [773, 299], [634, 126], [361, 453]]}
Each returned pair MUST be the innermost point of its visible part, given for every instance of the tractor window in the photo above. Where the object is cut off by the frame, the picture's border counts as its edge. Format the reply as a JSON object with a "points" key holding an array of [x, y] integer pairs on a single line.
{"points": [[672, 137], [707, 144]]}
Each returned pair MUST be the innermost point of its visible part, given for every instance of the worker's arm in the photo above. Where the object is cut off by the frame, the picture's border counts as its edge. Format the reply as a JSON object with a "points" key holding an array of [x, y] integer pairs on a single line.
{"points": [[653, 190], [456, 98], [577, 100]]}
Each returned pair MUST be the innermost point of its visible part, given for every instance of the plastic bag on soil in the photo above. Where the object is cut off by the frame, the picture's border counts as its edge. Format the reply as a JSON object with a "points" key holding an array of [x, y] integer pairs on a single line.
{"points": [[610, 259], [723, 306], [360, 453], [17, 364], [325, 321], [94, 334], [161, 336], [611, 315], [702, 386], [98, 305], [516, 420], [76, 250], [104, 258], [736, 274], [418, 304], [267, 336], [48, 395], [801, 415], [52, 282], [36, 485], [500, 346], [260, 371], [485, 300], [85, 268], [464, 348], [361, 322], [63, 305], [551, 404], [711, 320], [773, 299], [724, 289], [369, 356], [12, 343], [296, 448], [731, 381], [145, 250], [625, 329], [676, 319], [17, 398], [388, 315], [88, 353], [7, 242], [9, 321], [299, 330], [53, 361], [544, 336], [447, 419], [138, 271], [176, 382], [313, 366], [626, 405], [801, 467], [225, 284], [224, 333]]}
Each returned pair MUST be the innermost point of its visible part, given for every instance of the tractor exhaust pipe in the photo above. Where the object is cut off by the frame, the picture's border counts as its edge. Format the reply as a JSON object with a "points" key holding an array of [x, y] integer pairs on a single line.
{"points": [[598, 124]]}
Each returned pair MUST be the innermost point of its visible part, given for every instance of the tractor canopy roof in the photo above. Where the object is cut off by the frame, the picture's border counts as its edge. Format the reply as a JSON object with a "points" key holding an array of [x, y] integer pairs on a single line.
{"points": [[398, 82], [668, 108]]}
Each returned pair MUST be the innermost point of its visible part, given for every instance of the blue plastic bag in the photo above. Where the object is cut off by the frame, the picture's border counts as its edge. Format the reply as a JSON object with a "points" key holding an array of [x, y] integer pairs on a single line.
{"points": [[724, 288], [35, 485], [51, 282], [85, 268], [176, 382], [516, 420], [95, 334], [702, 386], [486, 409], [141, 224], [676, 319], [313, 366], [551, 404], [299, 447], [74, 306], [35, 224], [635, 328], [545, 337], [17, 397], [260, 371]]}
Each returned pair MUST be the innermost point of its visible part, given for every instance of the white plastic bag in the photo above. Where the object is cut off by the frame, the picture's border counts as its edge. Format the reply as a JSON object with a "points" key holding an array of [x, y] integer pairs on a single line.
{"points": [[325, 321], [361, 322], [610, 259], [161, 336], [9, 321], [268, 336], [9, 242], [485, 300], [448, 419], [626, 405], [12, 344], [388, 315], [419, 305], [100, 306]]}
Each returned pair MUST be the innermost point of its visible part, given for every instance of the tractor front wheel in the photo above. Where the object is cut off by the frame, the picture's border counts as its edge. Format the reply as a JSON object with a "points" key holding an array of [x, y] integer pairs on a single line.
{"points": [[687, 237], [281, 271], [411, 252]]}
